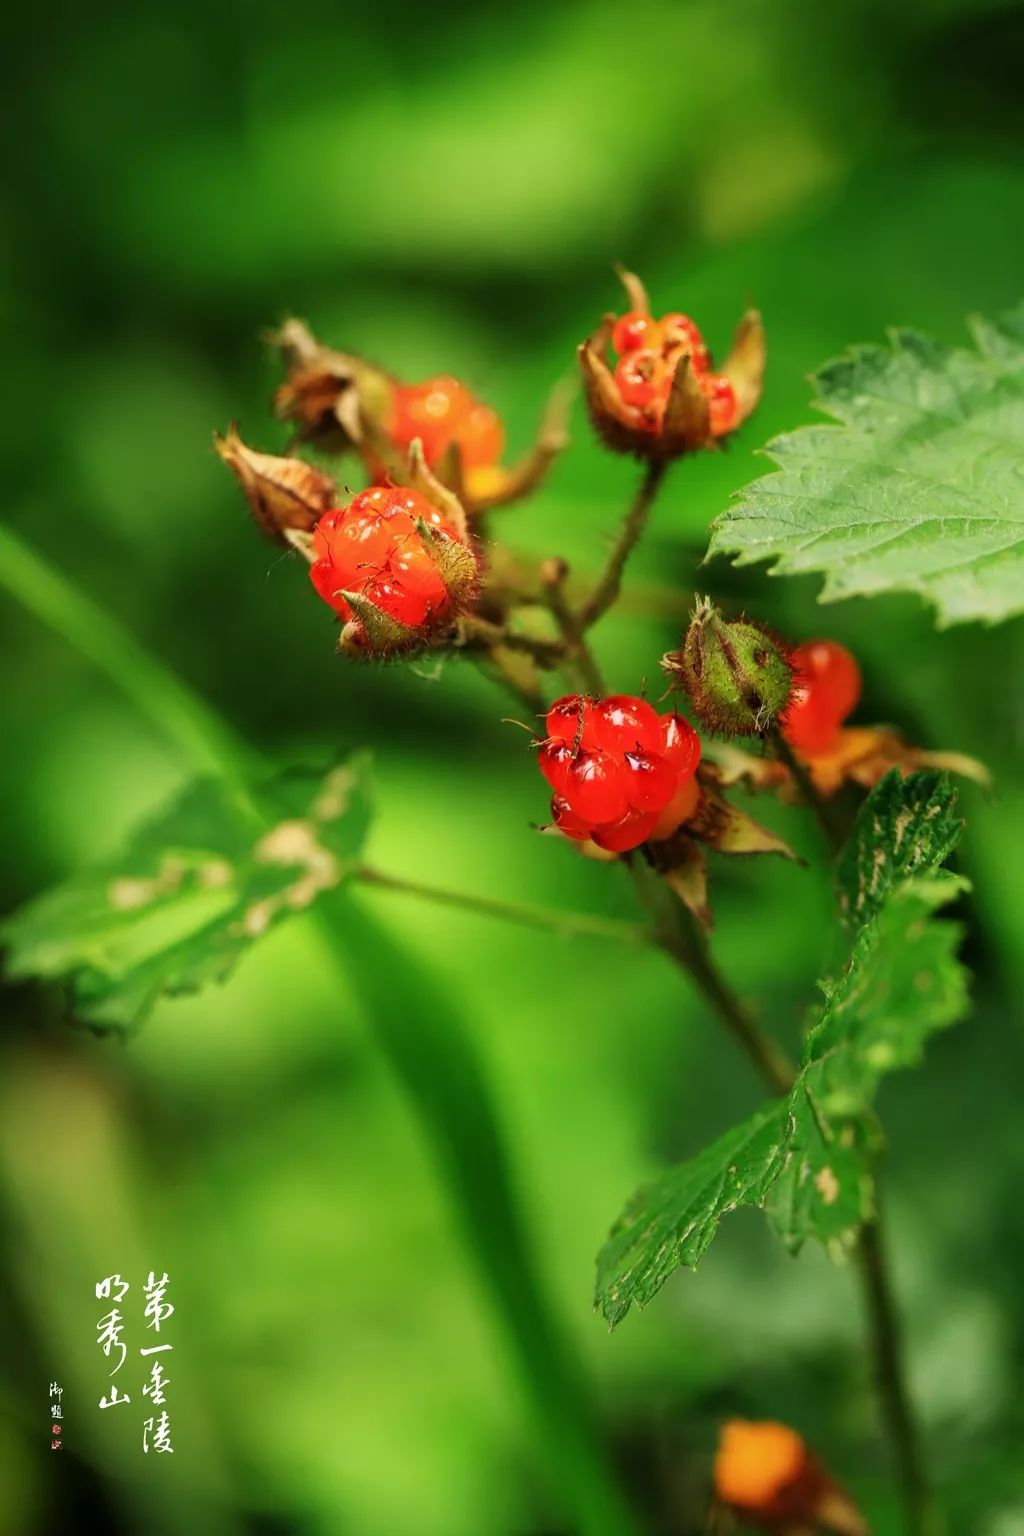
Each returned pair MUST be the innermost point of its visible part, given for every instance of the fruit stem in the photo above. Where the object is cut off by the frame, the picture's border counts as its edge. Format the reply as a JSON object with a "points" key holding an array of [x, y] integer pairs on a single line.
{"points": [[824, 810], [525, 690], [680, 936], [887, 1353], [565, 924], [609, 583], [578, 652]]}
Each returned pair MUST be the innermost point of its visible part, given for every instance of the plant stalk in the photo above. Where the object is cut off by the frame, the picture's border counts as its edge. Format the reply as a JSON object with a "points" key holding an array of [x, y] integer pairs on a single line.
{"points": [[566, 925], [610, 581], [888, 1356]]}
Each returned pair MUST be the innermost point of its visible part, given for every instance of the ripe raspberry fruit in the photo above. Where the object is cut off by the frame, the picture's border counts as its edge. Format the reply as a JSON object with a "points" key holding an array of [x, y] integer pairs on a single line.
{"points": [[442, 411], [373, 549], [642, 377], [634, 330], [826, 688], [618, 770], [721, 398], [682, 335]]}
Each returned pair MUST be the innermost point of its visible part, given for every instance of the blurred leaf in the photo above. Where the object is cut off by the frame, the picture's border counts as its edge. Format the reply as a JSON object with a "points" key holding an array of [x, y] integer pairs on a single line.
{"points": [[195, 889], [673, 1220], [918, 489], [809, 1160]]}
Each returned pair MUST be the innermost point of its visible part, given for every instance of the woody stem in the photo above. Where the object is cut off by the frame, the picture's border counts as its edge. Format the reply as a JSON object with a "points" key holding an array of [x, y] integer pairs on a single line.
{"points": [[610, 581]]}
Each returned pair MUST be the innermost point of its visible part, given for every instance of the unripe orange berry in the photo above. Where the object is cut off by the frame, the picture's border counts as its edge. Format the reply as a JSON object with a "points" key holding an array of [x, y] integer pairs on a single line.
{"points": [[756, 1463]]}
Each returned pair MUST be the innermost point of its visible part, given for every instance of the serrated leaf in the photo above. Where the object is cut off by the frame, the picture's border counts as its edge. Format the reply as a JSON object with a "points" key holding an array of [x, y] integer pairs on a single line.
{"points": [[906, 826], [919, 488], [673, 1220], [809, 1159], [196, 887], [902, 983]]}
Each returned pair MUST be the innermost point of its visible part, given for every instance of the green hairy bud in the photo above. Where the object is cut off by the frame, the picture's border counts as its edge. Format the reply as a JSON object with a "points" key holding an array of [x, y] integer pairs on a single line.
{"points": [[737, 676]]}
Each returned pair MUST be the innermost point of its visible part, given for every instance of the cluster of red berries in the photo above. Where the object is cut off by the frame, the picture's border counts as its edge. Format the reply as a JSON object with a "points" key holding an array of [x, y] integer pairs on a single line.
{"points": [[373, 548], [826, 687], [443, 411], [650, 351], [621, 773]]}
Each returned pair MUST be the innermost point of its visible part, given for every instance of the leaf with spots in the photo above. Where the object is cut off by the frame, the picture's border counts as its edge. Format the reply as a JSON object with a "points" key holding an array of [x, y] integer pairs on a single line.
{"points": [[920, 488], [809, 1159], [673, 1220], [196, 887], [902, 983]]}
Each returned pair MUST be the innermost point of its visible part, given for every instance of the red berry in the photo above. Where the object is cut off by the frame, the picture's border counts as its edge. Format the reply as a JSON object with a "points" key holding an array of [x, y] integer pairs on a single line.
{"points": [[594, 787], [831, 670], [634, 330], [571, 719], [372, 547], [628, 832], [721, 398], [555, 760], [679, 809], [826, 687], [680, 744], [681, 335], [622, 723], [567, 821], [621, 773], [650, 781], [641, 377]]}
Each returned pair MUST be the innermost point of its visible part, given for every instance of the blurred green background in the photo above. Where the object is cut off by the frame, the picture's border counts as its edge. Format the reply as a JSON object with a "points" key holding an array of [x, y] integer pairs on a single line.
{"points": [[445, 189]]}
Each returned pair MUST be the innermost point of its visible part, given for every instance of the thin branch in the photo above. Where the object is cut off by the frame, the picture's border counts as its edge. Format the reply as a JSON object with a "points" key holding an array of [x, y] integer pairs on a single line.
{"points": [[824, 810], [887, 1353], [680, 935], [609, 583], [565, 924], [553, 579]]}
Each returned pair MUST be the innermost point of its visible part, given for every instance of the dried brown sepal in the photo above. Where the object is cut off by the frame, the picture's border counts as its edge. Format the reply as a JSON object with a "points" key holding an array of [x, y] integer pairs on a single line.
{"points": [[418, 476], [744, 367], [862, 755], [688, 877], [727, 829], [286, 495], [328, 394]]}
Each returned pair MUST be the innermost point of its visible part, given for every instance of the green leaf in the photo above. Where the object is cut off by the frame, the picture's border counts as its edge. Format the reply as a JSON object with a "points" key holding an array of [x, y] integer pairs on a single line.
{"points": [[196, 887], [902, 982], [673, 1220], [809, 1159], [908, 826], [920, 487]]}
